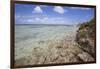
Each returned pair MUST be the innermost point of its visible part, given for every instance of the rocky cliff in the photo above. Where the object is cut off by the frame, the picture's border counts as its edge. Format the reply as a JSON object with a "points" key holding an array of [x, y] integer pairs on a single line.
{"points": [[85, 37]]}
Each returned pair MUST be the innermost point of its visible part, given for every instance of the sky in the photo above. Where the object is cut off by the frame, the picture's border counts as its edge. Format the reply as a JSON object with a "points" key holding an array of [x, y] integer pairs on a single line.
{"points": [[46, 14]]}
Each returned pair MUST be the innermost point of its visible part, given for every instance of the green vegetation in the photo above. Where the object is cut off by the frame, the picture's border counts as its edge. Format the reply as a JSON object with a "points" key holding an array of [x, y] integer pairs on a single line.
{"points": [[87, 28], [86, 36], [82, 34], [90, 24]]}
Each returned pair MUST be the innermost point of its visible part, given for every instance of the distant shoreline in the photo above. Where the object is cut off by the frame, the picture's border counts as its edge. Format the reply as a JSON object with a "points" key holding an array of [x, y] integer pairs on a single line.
{"points": [[47, 24]]}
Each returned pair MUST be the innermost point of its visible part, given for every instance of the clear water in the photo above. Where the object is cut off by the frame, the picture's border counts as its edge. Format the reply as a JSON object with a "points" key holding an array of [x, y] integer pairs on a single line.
{"points": [[28, 36]]}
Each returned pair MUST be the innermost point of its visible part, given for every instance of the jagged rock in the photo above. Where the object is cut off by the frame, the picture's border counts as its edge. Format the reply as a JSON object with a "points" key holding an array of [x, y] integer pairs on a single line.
{"points": [[85, 37]]}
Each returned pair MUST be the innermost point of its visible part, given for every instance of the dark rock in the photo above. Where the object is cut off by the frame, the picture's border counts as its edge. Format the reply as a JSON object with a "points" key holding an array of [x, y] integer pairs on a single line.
{"points": [[85, 37]]}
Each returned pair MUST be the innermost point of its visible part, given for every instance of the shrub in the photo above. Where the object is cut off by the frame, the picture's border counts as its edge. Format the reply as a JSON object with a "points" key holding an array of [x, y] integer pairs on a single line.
{"points": [[82, 34]]}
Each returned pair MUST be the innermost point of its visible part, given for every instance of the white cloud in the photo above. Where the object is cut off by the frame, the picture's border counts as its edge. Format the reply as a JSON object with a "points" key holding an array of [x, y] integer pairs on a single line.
{"points": [[82, 8], [59, 9], [37, 19], [37, 9], [17, 16], [30, 20], [43, 5]]}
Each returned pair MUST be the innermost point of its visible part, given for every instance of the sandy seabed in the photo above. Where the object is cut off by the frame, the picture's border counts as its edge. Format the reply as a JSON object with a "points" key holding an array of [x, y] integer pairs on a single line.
{"points": [[36, 44]]}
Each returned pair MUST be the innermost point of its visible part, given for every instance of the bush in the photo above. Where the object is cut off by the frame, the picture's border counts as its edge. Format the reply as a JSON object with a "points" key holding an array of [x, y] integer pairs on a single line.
{"points": [[82, 34]]}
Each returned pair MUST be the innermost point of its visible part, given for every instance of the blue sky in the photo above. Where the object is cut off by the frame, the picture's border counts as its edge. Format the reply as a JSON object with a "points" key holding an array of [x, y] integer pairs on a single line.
{"points": [[46, 14]]}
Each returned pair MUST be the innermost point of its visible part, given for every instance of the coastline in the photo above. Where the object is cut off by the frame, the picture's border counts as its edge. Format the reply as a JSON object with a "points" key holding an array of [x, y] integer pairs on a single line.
{"points": [[58, 50]]}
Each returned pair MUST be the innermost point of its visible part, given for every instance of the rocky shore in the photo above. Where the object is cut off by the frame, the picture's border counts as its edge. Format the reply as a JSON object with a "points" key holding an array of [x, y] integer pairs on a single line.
{"points": [[85, 37], [61, 52], [78, 47]]}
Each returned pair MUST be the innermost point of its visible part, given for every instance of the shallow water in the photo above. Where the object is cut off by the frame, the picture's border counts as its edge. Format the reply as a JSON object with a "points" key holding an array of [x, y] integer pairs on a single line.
{"points": [[28, 37]]}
